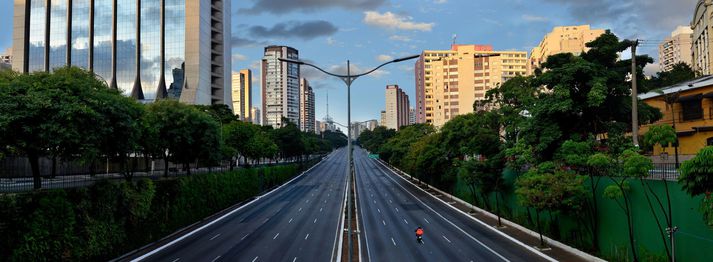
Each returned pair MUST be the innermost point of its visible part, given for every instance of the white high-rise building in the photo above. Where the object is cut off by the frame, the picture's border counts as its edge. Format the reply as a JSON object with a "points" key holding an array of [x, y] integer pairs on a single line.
{"points": [[676, 49], [256, 119], [280, 86], [396, 114]]}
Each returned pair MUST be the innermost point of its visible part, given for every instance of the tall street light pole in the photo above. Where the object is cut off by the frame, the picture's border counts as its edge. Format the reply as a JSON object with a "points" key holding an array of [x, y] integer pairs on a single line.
{"points": [[348, 80]]}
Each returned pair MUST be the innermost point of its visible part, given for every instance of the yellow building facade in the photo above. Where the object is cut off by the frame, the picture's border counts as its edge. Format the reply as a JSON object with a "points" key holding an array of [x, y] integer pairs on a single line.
{"points": [[563, 39], [449, 82], [690, 107]]}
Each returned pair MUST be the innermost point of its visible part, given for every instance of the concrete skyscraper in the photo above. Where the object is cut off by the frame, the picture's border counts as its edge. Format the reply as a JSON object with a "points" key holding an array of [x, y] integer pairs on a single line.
{"points": [[242, 94], [563, 39], [676, 49], [396, 113], [280, 86], [138, 47], [307, 117], [449, 82]]}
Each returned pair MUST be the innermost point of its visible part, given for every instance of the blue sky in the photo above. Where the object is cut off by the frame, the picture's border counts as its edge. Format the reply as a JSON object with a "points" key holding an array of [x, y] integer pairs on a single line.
{"points": [[328, 32]]}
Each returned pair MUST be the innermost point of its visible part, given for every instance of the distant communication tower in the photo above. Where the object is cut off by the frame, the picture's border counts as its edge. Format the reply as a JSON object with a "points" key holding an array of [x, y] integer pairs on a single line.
{"points": [[454, 39]]}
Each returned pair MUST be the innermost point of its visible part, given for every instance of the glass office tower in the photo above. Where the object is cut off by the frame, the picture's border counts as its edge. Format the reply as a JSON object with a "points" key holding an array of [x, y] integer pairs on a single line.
{"points": [[148, 49]]}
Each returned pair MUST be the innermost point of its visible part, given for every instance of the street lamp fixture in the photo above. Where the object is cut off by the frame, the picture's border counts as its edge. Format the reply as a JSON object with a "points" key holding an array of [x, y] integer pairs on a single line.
{"points": [[348, 80]]}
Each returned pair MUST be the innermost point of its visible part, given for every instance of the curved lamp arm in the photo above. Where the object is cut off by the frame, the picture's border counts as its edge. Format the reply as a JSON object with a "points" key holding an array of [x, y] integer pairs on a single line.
{"points": [[300, 62]]}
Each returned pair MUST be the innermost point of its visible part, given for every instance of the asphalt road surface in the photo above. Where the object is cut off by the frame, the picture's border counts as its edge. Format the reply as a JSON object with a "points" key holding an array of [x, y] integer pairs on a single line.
{"points": [[391, 209], [297, 222]]}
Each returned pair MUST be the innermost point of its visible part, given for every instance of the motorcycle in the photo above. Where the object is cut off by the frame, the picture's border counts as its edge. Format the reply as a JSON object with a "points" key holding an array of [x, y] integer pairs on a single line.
{"points": [[419, 239]]}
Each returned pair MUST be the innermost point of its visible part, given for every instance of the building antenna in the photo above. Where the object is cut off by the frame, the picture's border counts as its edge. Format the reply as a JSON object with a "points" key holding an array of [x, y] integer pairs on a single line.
{"points": [[327, 102], [454, 39]]}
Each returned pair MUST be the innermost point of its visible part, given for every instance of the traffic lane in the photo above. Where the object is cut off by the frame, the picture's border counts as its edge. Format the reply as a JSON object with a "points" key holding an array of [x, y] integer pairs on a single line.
{"points": [[234, 229], [402, 216], [490, 239]]}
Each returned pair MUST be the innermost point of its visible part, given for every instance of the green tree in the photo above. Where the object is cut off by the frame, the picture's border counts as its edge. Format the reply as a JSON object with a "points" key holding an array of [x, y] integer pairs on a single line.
{"points": [[373, 140], [545, 191], [64, 114], [681, 72], [697, 179], [398, 146], [426, 159], [236, 135], [184, 133], [663, 135]]}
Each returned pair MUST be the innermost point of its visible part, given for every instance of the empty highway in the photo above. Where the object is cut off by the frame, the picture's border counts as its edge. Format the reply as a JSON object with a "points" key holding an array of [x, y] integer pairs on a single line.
{"points": [[391, 208], [297, 222]]}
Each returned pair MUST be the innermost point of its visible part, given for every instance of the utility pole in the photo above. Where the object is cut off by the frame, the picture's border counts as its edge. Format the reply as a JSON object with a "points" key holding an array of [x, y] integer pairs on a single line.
{"points": [[634, 97]]}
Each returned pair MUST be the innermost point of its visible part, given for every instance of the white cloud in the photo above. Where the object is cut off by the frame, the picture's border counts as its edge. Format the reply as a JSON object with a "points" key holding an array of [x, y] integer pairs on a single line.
{"points": [[331, 41], [534, 18], [239, 57], [357, 69], [394, 21], [652, 69], [401, 38], [440, 1], [384, 58]]}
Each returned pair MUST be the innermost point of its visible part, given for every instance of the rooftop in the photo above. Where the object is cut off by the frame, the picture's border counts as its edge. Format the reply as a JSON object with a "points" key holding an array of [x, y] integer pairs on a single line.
{"points": [[680, 87]]}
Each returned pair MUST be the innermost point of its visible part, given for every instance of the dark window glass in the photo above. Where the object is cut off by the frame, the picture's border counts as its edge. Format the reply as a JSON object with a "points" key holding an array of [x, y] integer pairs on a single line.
{"points": [[692, 110]]}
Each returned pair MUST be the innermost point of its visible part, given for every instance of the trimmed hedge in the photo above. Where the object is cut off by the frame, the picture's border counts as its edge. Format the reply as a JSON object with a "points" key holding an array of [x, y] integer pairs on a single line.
{"points": [[108, 219]]}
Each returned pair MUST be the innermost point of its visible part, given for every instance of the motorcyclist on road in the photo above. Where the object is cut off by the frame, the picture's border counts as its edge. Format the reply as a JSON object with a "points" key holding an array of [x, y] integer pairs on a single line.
{"points": [[419, 234]]}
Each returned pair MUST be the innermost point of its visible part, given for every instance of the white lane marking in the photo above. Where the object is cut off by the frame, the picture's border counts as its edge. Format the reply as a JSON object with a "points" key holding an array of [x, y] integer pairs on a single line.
{"points": [[289, 222], [276, 236], [254, 259], [397, 210], [307, 236], [296, 259], [378, 210], [315, 221], [444, 237], [307, 201], [299, 210], [215, 236], [390, 201], [325, 201], [266, 219], [327, 195], [392, 241], [383, 222], [405, 221], [372, 195], [320, 209], [246, 235], [426, 220], [454, 225], [176, 260], [374, 201], [216, 258]]}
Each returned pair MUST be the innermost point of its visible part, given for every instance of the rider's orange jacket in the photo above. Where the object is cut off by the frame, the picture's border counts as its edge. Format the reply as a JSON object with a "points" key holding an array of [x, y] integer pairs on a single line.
{"points": [[419, 232]]}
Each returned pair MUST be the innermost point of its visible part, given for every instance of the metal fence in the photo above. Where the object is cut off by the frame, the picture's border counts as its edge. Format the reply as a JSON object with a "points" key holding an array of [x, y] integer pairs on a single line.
{"points": [[664, 171], [16, 174]]}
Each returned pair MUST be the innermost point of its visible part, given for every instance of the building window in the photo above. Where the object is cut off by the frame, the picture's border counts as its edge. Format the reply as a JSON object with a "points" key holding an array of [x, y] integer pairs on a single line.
{"points": [[709, 142], [691, 108]]}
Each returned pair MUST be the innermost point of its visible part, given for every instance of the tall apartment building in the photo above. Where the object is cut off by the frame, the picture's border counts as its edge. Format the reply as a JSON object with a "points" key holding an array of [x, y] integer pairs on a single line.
{"points": [[448, 82], [307, 118], [280, 86], [256, 118], [676, 49], [397, 108], [702, 42], [382, 118], [563, 39], [138, 47], [242, 97], [372, 124], [411, 116]]}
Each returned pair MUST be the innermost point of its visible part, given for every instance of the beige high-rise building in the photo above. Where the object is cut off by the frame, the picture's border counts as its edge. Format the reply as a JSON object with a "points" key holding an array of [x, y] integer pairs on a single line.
{"points": [[449, 82], [676, 49], [563, 39], [382, 118], [701, 40], [306, 106], [242, 97], [256, 119], [396, 113]]}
